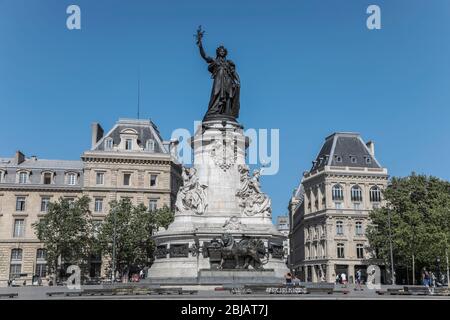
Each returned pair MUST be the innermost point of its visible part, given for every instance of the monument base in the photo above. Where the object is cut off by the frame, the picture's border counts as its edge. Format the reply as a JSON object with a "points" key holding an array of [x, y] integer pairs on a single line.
{"points": [[233, 276], [223, 277]]}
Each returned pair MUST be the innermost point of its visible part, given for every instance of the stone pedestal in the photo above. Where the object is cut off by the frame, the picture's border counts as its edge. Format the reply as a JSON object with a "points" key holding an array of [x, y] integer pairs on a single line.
{"points": [[218, 196]]}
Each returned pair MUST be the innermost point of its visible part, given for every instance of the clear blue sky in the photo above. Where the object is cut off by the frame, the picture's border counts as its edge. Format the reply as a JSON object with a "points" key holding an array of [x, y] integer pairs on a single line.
{"points": [[309, 68]]}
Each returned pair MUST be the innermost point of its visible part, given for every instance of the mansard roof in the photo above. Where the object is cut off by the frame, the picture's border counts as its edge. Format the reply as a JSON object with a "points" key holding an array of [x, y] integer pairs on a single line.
{"points": [[43, 164], [144, 129], [345, 149]]}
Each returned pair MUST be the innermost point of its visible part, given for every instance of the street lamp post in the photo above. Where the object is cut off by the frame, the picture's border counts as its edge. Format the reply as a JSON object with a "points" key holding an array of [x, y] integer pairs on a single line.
{"points": [[390, 249]]}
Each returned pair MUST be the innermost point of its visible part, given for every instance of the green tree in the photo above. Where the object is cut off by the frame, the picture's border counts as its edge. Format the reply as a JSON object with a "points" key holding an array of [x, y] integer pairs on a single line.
{"points": [[418, 209], [67, 233], [132, 228]]}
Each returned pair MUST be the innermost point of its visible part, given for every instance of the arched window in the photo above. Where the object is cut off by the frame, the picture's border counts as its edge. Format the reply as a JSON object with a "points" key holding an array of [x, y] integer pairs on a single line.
{"points": [[356, 194], [375, 194], [337, 192], [306, 252], [72, 178], [23, 176]]}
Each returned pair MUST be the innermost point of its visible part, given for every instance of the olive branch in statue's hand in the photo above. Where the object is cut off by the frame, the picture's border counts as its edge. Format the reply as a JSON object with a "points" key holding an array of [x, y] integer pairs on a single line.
{"points": [[199, 35]]}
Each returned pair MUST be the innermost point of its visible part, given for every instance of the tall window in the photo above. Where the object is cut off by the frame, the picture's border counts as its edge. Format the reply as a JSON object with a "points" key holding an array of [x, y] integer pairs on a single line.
{"points": [[98, 205], [359, 228], [100, 178], [15, 267], [47, 178], [72, 179], [375, 194], [126, 179], [150, 145], [128, 144], [44, 204], [23, 177], [20, 204], [41, 263], [108, 144], [153, 204], [340, 250], [339, 227], [356, 194], [360, 251], [337, 192], [307, 252], [153, 178], [19, 228]]}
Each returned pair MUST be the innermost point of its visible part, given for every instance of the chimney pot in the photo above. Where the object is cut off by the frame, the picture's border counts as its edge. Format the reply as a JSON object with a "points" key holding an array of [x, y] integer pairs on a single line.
{"points": [[97, 134], [371, 146], [20, 157]]}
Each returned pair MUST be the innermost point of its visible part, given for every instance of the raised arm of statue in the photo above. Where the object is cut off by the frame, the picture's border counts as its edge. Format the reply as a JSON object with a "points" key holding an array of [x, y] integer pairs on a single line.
{"points": [[199, 37]]}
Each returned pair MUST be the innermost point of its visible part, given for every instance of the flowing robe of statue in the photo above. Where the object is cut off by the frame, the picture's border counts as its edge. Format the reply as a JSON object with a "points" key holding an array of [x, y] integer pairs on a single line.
{"points": [[225, 90]]}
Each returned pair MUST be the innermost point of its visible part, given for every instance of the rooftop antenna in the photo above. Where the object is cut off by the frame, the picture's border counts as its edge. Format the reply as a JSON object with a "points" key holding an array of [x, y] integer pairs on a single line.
{"points": [[139, 95]]}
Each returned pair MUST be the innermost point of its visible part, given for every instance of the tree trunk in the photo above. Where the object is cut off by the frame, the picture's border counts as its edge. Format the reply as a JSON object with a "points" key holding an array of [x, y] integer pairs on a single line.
{"points": [[413, 270], [407, 274]]}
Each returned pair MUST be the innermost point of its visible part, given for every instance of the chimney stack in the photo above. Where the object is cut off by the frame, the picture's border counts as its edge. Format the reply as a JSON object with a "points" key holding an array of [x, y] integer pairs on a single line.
{"points": [[20, 157], [371, 146], [97, 134]]}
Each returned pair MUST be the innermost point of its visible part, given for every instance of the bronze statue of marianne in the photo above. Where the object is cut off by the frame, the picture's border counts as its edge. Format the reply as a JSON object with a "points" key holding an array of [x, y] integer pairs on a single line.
{"points": [[224, 101]]}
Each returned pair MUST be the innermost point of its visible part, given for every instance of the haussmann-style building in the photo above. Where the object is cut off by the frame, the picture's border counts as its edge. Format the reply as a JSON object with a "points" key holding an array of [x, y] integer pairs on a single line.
{"points": [[130, 161], [329, 211]]}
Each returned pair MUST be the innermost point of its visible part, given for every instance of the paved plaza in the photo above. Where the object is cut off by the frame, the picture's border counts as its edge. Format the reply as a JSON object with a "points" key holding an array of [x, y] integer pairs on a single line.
{"points": [[210, 293]]}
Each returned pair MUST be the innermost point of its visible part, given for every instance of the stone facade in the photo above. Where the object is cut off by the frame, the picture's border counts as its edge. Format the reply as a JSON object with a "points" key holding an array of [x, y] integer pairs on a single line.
{"points": [[130, 161], [329, 211]]}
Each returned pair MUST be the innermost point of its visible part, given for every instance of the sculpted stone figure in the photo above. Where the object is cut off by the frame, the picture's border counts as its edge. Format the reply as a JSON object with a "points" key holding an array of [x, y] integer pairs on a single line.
{"points": [[192, 195], [240, 255], [224, 101], [251, 198]]}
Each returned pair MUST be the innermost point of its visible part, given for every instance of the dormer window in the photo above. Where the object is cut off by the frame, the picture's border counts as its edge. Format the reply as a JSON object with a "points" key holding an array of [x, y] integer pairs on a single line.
{"points": [[150, 146], [368, 160], [47, 178], [109, 144], [2, 176], [72, 179], [338, 158], [128, 144], [23, 177], [353, 159]]}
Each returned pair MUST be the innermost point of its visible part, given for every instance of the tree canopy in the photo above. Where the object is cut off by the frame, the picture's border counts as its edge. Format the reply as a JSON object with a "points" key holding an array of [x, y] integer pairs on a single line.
{"points": [[67, 233], [132, 227], [418, 208]]}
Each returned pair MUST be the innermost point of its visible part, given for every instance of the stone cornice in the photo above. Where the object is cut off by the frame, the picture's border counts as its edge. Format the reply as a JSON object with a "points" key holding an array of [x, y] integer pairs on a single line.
{"points": [[40, 188]]}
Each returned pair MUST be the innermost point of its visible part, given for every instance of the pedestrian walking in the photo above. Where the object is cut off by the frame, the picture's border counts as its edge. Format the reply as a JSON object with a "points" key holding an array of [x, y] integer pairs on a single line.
{"points": [[358, 279]]}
